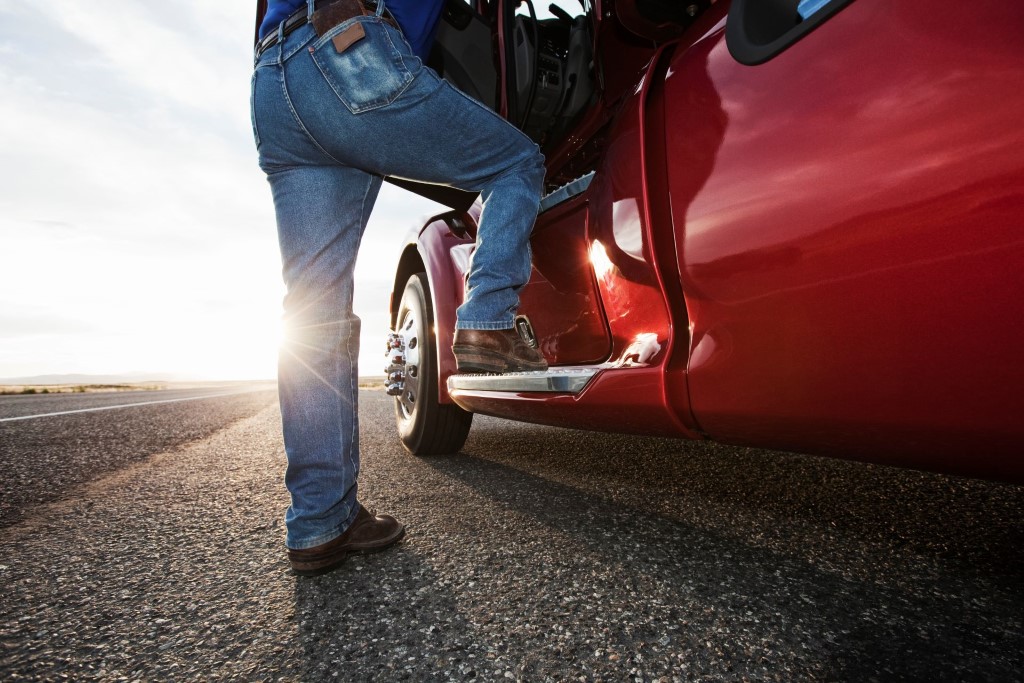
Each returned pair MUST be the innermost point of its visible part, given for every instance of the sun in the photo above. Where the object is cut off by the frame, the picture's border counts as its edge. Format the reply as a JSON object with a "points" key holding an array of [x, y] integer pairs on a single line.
{"points": [[239, 344]]}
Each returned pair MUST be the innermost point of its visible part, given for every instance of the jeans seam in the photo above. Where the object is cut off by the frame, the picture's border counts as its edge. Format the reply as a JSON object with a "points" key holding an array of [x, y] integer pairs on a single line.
{"points": [[491, 112], [343, 455], [401, 58], [252, 109], [412, 77], [353, 374], [295, 115], [295, 49]]}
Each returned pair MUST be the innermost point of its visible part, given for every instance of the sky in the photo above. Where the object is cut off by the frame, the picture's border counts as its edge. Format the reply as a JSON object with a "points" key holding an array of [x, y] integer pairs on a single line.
{"points": [[136, 230]]}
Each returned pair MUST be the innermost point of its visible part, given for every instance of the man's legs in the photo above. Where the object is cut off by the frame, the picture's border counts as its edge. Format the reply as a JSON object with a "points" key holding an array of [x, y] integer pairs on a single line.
{"points": [[321, 215], [322, 208], [324, 164]]}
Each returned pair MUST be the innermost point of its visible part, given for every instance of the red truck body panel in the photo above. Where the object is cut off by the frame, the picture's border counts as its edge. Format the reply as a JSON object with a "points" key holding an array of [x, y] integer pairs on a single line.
{"points": [[821, 253], [852, 255]]}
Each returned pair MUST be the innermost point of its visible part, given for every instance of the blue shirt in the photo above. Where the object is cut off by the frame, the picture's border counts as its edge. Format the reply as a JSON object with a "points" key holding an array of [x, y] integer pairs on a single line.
{"points": [[418, 19]]}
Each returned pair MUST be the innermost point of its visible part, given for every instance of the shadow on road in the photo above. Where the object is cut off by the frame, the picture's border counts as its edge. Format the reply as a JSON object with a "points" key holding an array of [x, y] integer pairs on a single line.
{"points": [[859, 567], [373, 618], [976, 523]]}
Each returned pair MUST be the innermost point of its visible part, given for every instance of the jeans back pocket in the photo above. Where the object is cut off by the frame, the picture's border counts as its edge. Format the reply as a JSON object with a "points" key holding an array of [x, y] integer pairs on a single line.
{"points": [[368, 73]]}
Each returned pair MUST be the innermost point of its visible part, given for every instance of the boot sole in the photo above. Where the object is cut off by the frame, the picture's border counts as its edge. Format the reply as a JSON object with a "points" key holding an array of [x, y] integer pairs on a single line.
{"points": [[475, 359], [339, 560]]}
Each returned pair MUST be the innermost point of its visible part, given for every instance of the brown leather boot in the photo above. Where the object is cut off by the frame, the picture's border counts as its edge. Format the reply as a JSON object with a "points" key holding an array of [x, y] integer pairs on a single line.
{"points": [[495, 351], [369, 533]]}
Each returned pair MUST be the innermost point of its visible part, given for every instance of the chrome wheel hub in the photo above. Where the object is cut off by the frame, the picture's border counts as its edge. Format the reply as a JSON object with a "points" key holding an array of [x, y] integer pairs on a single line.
{"points": [[403, 362]]}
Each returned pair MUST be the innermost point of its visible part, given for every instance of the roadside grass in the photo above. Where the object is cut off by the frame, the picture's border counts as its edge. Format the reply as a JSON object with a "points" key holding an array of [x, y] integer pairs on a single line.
{"points": [[19, 390]]}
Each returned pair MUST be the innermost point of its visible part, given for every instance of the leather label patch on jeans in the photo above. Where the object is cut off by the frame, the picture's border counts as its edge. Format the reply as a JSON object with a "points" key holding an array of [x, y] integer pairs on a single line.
{"points": [[348, 37], [335, 12]]}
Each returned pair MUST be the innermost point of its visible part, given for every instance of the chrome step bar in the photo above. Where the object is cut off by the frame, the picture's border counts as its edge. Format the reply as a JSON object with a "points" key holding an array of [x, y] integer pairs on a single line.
{"points": [[563, 380]]}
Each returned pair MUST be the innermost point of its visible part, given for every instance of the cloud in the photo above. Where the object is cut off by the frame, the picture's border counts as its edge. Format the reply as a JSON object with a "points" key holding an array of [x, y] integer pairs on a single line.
{"points": [[41, 325], [171, 52], [138, 231]]}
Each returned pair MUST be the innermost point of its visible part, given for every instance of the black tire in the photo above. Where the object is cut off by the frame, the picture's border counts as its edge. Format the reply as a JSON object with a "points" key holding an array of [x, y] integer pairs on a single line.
{"points": [[426, 426]]}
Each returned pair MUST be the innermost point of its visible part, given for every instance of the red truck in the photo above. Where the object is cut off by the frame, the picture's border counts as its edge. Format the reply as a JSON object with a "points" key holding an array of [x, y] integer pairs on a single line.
{"points": [[791, 224]]}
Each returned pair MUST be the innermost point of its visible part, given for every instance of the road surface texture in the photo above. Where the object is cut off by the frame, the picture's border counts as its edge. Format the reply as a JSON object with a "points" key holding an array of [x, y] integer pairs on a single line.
{"points": [[537, 554], [50, 443]]}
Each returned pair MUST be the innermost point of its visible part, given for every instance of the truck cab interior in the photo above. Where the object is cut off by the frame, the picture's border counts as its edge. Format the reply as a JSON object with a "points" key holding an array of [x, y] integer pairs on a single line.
{"points": [[548, 56]]}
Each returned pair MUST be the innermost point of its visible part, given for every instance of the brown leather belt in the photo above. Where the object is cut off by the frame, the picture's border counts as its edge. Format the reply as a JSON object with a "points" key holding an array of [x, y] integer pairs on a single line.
{"points": [[327, 15]]}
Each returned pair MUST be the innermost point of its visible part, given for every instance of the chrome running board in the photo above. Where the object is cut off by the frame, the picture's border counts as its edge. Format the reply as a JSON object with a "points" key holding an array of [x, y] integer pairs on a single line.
{"points": [[564, 380]]}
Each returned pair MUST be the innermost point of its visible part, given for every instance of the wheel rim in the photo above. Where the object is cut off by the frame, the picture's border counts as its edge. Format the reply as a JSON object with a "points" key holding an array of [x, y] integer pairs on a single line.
{"points": [[411, 330]]}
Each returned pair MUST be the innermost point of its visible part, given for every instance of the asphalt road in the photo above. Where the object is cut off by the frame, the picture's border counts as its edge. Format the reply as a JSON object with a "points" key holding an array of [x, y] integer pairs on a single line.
{"points": [[20, 407], [51, 443], [537, 554]]}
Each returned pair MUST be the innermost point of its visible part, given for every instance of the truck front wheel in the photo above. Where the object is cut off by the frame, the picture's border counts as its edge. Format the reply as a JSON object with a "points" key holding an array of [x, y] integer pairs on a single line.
{"points": [[426, 426]]}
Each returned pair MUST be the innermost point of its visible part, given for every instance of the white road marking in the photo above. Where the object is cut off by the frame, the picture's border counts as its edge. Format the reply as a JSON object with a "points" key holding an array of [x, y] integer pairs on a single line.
{"points": [[124, 405]]}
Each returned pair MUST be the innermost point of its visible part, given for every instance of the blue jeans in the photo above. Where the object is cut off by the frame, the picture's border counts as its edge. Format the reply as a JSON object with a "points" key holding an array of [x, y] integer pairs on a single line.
{"points": [[328, 126]]}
